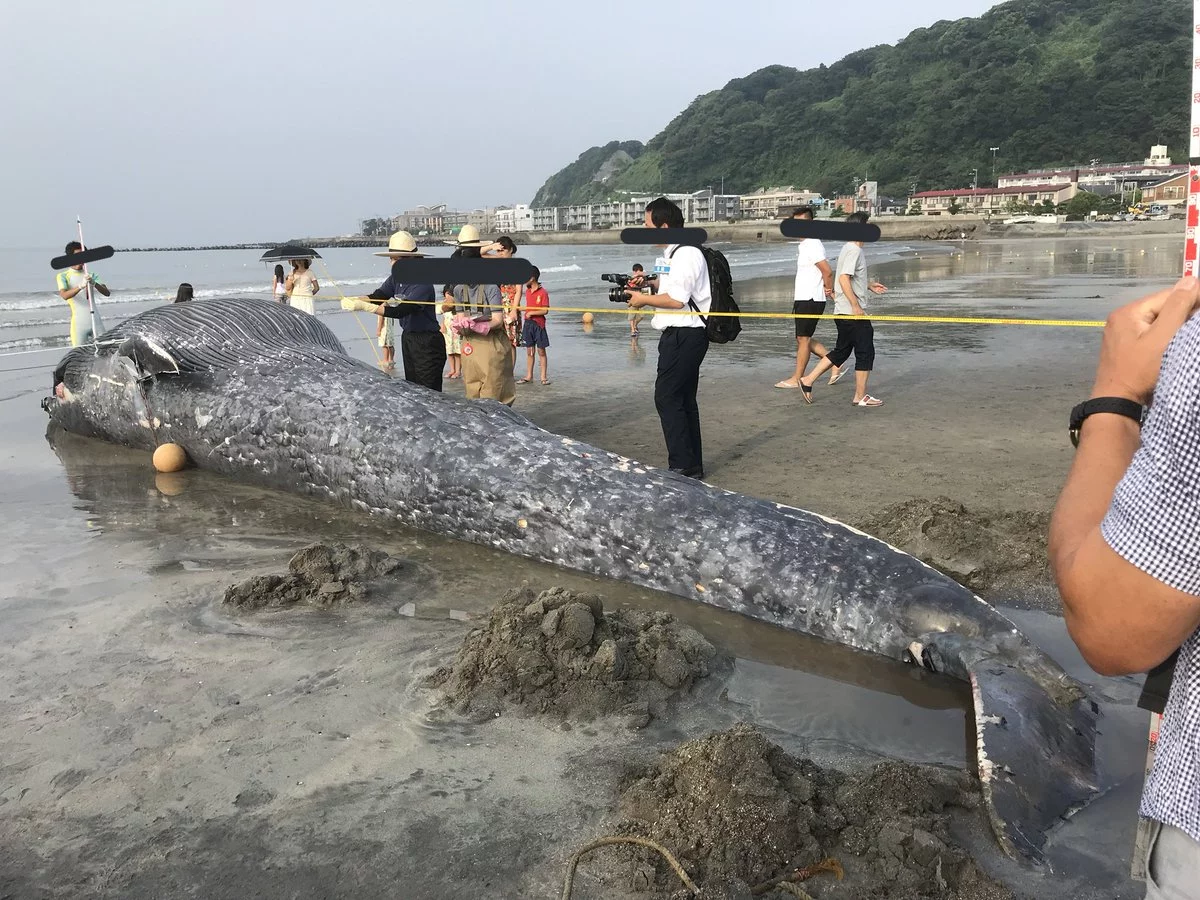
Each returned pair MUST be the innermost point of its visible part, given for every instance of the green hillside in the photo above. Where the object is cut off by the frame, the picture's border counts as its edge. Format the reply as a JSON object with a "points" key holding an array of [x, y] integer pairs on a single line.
{"points": [[1048, 81], [589, 177]]}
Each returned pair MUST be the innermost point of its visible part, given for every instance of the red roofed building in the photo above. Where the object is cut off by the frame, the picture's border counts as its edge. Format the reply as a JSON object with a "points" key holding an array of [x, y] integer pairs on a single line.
{"points": [[994, 200]]}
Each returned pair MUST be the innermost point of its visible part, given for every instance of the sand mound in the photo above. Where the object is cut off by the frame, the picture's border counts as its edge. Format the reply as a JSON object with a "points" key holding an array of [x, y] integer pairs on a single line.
{"points": [[982, 551], [558, 653], [738, 812], [323, 575]]}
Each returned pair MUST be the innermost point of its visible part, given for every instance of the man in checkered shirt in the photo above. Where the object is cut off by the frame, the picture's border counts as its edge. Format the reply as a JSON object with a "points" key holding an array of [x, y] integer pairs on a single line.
{"points": [[1125, 546]]}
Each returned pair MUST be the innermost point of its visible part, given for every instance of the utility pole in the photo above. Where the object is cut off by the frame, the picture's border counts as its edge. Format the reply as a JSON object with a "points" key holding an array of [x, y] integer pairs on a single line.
{"points": [[994, 150]]}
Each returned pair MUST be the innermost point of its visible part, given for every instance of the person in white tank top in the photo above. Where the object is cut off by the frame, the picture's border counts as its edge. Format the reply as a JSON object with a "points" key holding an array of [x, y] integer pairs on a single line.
{"points": [[302, 286], [279, 286]]}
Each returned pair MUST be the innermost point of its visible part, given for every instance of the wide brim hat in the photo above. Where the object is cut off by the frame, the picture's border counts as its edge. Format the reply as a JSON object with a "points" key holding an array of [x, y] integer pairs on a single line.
{"points": [[468, 236], [401, 245]]}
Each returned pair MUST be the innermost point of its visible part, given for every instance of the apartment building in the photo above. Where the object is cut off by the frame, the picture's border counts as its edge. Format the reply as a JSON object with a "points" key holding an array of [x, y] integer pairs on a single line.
{"points": [[776, 202]]}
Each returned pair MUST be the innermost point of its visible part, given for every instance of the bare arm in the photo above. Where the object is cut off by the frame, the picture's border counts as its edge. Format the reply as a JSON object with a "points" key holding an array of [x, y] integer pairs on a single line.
{"points": [[659, 301], [847, 286], [1122, 619], [826, 276]]}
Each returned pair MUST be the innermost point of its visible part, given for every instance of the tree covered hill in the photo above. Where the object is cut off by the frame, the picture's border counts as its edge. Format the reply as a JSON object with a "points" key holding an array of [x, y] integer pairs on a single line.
{"points": [[1050, 82]]}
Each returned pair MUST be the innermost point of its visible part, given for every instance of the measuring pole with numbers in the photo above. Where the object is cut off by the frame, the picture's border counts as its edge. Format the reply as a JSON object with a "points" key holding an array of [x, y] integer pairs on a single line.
{"points": [[1190, 247]]}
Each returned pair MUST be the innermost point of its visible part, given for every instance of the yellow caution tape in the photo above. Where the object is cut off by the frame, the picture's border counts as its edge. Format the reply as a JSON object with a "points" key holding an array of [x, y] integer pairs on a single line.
{"points": [[940, 320]]}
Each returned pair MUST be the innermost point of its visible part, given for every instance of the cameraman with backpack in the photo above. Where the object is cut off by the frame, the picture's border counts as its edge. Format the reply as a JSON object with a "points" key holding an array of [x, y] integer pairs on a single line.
{"points": [[683, 281]]}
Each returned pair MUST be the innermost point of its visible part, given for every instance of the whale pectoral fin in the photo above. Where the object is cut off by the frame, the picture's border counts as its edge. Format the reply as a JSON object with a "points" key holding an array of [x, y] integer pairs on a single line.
{"points": [[148, 357], [1037, 761]]}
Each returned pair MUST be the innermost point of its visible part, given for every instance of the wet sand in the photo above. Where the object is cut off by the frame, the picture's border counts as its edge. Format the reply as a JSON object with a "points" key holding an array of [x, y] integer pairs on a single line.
{"points": [[160, 745]]}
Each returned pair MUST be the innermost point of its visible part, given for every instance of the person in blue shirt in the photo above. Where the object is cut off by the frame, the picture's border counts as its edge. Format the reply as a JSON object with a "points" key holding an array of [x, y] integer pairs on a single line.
{"points": [[422, 347]]}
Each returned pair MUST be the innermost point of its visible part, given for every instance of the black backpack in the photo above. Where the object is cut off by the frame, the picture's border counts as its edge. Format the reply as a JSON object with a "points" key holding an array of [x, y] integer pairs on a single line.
{"points": [[720, 329]]}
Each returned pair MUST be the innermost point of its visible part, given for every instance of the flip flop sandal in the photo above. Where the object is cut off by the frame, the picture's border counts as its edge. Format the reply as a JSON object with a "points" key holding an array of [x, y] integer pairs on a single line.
{"points": [[547, 382], [836, 377], [807, 393], [867, 401], [523, 380], [786, 385]]}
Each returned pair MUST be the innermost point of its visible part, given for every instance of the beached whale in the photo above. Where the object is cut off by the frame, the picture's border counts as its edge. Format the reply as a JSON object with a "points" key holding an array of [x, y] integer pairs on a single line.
{"points": [[266, 393]]}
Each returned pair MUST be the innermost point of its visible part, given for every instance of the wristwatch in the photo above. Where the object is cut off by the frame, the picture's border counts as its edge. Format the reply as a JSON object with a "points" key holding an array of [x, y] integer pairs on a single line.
{"points": [[1117, 405]]}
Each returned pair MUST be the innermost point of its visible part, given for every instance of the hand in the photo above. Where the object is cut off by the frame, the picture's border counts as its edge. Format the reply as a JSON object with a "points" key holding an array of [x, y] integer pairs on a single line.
{"points": [[635, 299], [1135, 338], [877, 288], [357, 304], [828, 293], [856, 310]]}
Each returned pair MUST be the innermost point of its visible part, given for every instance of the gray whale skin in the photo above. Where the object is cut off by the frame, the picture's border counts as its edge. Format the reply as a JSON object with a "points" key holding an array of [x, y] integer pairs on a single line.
{"points": [[266, 394]]}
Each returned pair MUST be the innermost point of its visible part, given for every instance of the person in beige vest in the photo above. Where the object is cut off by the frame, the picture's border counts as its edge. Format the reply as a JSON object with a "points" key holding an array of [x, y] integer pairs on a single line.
{"points": [[488, 355]]}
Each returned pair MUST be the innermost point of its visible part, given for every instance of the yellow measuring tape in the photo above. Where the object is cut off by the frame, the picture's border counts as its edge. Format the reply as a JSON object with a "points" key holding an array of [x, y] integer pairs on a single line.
{"points": [[940, 320], [370, 341]]}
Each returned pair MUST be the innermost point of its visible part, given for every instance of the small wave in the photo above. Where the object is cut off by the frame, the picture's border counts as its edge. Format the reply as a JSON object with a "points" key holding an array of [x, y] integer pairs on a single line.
{"points": [[572, 267], [31, 343], [35, 323]]}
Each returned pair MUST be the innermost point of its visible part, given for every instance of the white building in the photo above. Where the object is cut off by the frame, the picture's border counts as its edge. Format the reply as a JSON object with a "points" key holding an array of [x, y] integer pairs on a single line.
{"points": [[776, 202], [699, 207], [1102, 178], [509, 220]]}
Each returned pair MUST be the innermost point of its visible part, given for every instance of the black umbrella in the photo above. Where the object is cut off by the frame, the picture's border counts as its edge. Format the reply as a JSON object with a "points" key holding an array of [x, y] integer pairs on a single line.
{"points": [[289, 251]]}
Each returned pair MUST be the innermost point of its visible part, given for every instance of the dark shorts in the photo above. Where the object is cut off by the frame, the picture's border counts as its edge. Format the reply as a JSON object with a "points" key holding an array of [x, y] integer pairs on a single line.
{"points": [[534, 335], [806, 327], [855, 336]]}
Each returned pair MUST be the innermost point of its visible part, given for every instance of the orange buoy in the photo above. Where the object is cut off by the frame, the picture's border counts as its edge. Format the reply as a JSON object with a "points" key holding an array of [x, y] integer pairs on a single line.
{"points": [[587, 318], [169, 458]]}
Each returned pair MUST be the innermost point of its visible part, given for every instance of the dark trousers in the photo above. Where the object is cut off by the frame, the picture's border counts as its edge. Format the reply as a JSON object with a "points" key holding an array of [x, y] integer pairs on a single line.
{"points": [[680, 352], [855, 336], [424, 355]]}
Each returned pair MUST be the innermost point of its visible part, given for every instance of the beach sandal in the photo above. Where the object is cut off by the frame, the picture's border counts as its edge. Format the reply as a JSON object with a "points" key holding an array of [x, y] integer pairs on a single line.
{"points": [[867, 400], [523, 381], [788, 385], [807, 393], [836, 376], [546, 381]]}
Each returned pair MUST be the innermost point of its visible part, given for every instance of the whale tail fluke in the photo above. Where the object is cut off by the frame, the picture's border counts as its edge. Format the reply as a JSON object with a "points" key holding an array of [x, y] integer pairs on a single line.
{"points": [[1036, 755]]}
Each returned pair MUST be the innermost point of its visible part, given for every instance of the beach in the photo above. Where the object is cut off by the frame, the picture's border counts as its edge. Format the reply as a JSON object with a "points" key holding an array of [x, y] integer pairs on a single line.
{"points": [[162, 744]]}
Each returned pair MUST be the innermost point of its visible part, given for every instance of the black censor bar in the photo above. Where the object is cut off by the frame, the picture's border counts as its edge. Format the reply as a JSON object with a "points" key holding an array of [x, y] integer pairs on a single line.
{"points": [[462, 271], [685, 237], [824, 230], [81, 258]]}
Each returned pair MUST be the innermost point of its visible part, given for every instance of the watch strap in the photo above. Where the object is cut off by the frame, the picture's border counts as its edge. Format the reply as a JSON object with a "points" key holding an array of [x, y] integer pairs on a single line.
{"points": [[1121, 406]]}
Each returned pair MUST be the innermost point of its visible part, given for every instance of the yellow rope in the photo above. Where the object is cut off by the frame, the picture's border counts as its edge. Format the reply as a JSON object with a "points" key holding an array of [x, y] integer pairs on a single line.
{"points": [[943, 320], [370, 340]]}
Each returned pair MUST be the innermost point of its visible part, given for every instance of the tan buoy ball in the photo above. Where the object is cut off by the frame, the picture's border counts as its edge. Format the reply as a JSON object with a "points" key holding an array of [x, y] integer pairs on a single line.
{"points": [[587, 318], [169, 458]]}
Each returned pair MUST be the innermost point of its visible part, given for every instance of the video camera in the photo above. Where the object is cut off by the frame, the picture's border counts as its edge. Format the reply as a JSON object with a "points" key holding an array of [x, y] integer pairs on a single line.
{"points": [[617, 294]]}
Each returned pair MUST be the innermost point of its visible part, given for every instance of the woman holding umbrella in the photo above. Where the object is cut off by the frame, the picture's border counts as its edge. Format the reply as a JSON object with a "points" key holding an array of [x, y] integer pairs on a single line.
{"points": [[302, 286]]}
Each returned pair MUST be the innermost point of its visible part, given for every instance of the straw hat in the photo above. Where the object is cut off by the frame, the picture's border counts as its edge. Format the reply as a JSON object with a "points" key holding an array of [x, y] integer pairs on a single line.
{"points": [[468, 236], [401, 244]]}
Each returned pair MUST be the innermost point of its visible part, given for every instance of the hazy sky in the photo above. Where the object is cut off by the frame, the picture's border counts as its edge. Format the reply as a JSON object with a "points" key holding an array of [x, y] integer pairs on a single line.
{"points": [[169, 122]]}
